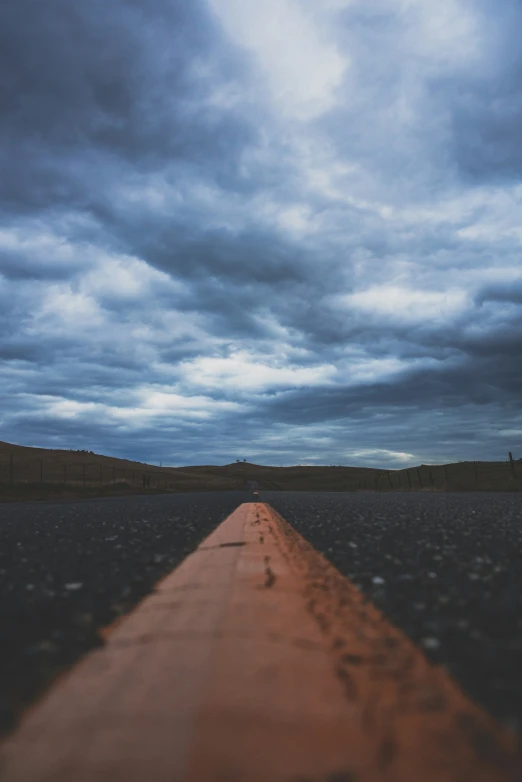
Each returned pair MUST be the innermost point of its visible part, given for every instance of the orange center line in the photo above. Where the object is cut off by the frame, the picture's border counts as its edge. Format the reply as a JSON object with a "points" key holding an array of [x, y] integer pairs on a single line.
{"points": [[257, 661]]}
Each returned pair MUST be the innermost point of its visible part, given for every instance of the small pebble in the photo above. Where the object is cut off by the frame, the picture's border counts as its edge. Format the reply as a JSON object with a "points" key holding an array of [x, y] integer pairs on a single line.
{"points": [[430, 643]]}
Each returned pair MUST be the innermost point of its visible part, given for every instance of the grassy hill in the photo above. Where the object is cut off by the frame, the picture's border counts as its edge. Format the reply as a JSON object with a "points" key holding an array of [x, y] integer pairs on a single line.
{"points": [[40, 473]]}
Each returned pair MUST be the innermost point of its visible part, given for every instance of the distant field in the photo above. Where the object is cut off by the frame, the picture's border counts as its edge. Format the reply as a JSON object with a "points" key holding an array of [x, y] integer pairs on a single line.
{"points": [[38, 474]]}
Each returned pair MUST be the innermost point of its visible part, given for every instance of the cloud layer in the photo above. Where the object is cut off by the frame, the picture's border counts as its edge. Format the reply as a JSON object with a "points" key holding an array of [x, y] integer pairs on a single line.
{"points": [[276, 231]]}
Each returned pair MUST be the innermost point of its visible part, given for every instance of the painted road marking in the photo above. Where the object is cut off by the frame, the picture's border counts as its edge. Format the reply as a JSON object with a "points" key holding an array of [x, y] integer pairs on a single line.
{"points": [[257, 661]]}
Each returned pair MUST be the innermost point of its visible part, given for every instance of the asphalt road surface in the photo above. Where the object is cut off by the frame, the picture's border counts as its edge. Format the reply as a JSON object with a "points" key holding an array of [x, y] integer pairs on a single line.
{"points": [[70, 568], [445, 568]]}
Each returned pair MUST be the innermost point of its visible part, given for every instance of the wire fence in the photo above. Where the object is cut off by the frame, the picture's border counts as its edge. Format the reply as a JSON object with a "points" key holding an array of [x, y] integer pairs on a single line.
{"points": [[19, 470], [462, 476], [447, 477]]}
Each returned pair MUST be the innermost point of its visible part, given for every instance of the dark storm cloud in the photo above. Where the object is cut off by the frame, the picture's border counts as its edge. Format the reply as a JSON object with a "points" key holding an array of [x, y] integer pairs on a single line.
{"points": [[85, 83], [463, 111], [187, 265], [486, 106], [475, 382], [246, 258], [501, 291]]}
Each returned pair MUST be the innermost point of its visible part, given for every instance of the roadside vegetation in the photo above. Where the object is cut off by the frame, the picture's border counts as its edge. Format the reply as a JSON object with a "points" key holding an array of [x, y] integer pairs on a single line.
{"points": [[44, 474]]}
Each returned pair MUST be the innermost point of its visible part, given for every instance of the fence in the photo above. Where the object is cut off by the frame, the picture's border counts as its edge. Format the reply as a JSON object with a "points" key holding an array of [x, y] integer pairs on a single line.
{"points": [[461, 476], [15, 470]]}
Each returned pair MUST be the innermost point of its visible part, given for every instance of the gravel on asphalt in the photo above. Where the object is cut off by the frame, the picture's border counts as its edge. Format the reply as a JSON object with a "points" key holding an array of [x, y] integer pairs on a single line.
{"points": [[68, 569], [446, 568]]}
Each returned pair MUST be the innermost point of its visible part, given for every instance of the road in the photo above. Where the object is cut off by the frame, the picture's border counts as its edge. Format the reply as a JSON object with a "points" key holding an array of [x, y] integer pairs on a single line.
{"points": [[70, 568], [445, 568]]}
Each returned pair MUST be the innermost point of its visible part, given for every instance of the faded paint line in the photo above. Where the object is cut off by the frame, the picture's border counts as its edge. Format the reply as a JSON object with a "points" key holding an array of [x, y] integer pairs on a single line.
{"points": [[257, 661]]}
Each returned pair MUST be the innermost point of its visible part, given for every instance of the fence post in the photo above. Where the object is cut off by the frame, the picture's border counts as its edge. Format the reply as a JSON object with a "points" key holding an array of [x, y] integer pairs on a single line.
{"points": [[84, 476], [389, 480], [475, 471], [101, 474], [420, 479], [446, 475], [512, 463], [41, 470], [409, 478], [431, 479], [11, 468], [65, 473]]}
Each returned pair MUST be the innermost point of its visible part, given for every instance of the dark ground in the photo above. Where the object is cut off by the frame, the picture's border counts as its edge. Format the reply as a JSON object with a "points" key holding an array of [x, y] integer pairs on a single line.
{"points": [[446, 568], [45, 474], [70, 568]]}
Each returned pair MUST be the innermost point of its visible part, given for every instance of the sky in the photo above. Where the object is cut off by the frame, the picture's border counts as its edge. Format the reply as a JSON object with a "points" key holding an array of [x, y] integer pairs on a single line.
{"points": [[286, 231]]}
